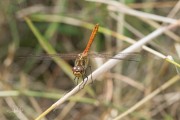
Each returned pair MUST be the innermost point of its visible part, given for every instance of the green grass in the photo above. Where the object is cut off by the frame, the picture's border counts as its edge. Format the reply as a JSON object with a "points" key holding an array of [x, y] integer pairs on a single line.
{"points": [[146, 90]]}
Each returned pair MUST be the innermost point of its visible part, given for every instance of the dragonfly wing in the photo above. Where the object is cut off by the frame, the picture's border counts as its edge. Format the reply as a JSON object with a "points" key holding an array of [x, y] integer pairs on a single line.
{"points": [[49, 56], [128, 56], [120, 56]]}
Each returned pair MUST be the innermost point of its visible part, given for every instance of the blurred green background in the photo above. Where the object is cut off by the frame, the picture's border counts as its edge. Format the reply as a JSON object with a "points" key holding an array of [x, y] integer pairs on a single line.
{"points": [[31, 81]]}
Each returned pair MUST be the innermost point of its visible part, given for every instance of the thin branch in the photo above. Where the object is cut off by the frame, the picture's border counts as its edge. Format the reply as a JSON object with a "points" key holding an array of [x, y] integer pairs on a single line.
{"points": [[118, 7], [150, 96]]}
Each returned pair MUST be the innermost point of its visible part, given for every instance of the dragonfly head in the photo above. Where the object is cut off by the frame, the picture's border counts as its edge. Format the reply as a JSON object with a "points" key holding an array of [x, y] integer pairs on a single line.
{"points": [[78, 71]]}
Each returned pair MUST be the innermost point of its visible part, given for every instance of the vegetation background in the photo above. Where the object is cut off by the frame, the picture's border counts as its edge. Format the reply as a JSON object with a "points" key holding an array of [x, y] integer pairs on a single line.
{"points": [[31, 84]]}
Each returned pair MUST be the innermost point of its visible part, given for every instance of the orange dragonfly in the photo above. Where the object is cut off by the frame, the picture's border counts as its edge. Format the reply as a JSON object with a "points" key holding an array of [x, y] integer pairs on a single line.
{"points": [[81, 61]]}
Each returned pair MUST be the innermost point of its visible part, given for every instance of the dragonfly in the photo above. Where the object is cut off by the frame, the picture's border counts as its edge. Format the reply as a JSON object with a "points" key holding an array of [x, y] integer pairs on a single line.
{"points": [[82, 59], [81, 62]]}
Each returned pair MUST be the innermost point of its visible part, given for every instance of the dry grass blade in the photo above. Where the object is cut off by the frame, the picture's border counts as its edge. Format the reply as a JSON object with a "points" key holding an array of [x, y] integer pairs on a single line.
{"points": [[118, 7], [49, 48], [150, 96]]}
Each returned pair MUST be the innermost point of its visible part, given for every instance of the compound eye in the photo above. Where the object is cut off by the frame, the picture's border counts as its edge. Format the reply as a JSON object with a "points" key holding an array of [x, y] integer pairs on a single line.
{"points": [[77, 69], [74, 69]]}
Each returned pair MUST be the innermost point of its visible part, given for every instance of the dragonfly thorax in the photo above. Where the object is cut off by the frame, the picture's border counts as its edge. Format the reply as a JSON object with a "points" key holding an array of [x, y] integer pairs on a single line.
{"points": [[82, 61]]}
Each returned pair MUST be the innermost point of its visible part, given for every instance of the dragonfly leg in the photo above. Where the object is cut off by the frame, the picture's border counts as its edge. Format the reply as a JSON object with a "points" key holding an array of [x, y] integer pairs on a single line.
{"points": [[84, 82], [76, 79]]}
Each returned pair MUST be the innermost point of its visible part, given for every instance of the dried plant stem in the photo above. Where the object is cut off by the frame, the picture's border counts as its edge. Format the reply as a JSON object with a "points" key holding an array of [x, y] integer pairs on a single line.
{"points": [[118, 7], [150, 96]]}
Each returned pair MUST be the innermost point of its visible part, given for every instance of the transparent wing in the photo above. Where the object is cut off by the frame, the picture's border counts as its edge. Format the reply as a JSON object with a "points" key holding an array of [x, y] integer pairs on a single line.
{"points": [[49, 56], [121, 56]]}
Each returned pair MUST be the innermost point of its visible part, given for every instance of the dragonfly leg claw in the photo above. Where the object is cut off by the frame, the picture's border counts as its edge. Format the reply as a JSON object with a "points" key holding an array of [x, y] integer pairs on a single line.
{"points": [[83, 82]]}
